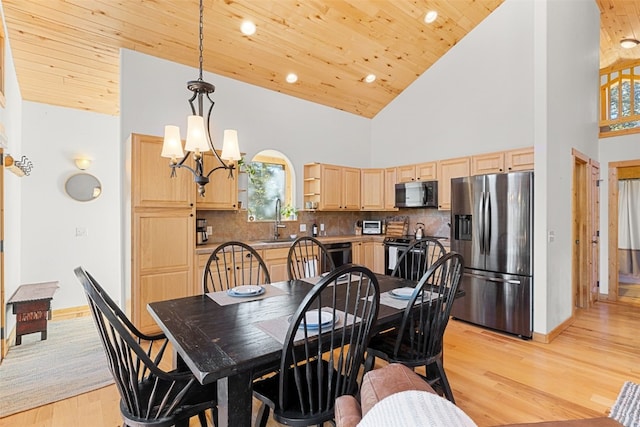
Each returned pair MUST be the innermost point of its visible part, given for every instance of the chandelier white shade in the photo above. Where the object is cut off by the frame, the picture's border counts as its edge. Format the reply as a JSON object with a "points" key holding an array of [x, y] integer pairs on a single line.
{"points": [[230, 146], [172, 146]]}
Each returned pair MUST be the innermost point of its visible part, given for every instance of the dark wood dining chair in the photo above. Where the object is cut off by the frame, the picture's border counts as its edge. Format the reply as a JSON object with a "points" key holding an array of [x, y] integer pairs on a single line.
{"points": [[308, 257], [315, 368], [149, 395], [234, 264], [418, 339], [414, 262]]}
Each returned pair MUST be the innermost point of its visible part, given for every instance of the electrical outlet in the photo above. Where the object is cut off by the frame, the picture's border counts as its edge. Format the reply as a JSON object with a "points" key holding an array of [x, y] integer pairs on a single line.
{"points": [[209, 230], [303, 228], [81, 232], [552, 236], [321, 227]]}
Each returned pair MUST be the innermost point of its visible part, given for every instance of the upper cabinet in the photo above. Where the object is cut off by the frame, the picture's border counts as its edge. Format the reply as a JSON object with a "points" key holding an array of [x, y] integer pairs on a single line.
{"points": [[373, 189], [151, 181], [222, 190], [502, 161], [419, 172], [390, 180], [519, 160], [487, 163], [447, 169], [331, 187]]}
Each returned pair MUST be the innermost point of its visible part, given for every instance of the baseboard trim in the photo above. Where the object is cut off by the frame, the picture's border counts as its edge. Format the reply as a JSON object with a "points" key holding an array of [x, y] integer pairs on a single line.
{"points": [[70, 313], [547, 338]]}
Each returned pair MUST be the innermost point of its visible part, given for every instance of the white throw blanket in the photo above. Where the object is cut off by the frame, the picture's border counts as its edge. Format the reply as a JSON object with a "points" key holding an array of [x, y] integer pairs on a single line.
{"points": [[415, 408]]}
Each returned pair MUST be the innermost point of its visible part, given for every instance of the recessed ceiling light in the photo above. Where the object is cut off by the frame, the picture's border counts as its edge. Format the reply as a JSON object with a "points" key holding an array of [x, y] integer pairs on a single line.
{"points": [[629, 43], [370, 78], [248, 28], [430, 16], [292, 78]]}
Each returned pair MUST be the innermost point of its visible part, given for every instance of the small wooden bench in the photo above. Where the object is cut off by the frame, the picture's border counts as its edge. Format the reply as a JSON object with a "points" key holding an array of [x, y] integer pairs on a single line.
{"points": [[32, 307]]}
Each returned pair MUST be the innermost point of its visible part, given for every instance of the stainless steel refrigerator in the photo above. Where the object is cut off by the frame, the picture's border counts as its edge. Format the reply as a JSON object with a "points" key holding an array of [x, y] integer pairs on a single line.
{"points": [[491, 226]]}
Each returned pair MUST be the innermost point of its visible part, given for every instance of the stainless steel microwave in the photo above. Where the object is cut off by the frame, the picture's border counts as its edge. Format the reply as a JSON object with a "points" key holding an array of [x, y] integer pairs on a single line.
{"points": [[417, 194]]}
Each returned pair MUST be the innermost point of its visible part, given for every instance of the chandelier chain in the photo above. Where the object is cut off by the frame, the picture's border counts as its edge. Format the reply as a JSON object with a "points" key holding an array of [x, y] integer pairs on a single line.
{"points": [[201, 38]]}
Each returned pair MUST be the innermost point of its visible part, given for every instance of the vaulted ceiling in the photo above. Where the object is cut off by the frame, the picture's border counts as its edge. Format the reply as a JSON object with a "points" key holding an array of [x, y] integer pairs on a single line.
{"points": [[66, 52]]}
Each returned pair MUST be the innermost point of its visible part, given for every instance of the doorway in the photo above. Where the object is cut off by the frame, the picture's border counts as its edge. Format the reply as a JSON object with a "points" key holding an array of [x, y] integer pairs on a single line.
{"points": [[624, 284], [585, 232]]}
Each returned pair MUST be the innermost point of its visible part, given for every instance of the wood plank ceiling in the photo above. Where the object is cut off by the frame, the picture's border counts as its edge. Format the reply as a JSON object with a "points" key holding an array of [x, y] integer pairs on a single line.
{"points": [[66, 52]]}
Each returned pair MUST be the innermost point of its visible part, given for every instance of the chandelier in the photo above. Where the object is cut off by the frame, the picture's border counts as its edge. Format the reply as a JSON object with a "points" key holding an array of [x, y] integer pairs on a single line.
{"points": [[199, 138]]}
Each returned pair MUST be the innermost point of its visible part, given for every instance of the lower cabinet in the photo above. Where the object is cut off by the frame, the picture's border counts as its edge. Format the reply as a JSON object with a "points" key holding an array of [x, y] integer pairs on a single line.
{"points": [[162, 260], [276, 260], [369, 254]]}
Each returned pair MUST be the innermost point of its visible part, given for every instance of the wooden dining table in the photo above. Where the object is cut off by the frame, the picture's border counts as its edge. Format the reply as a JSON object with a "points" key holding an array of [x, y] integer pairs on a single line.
{"points": [[225, 343]]}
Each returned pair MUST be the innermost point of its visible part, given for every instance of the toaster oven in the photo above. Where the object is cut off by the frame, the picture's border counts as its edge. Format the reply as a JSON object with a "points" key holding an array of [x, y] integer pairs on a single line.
{"points": [[371, 227]]}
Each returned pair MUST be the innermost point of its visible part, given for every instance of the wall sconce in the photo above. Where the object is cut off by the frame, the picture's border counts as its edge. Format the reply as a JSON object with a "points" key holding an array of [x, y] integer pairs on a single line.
{"points": [[82, 163], [20, 167]]}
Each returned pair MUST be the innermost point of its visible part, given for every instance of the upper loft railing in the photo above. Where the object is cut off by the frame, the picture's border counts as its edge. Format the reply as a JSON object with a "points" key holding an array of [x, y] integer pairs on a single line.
{"points": [[620, 99]]}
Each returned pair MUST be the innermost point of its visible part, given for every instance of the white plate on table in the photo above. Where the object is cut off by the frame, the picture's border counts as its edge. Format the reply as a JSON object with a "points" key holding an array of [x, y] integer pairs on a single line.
{"points": [[402, 293], [311, 319], [246, 291]]}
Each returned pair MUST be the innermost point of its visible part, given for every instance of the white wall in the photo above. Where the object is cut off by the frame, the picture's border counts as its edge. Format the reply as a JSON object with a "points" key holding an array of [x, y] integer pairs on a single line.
{"points": [[614, 149], [154, 94], [477, 98], [572, 100], [52, 138], [511, 82]]}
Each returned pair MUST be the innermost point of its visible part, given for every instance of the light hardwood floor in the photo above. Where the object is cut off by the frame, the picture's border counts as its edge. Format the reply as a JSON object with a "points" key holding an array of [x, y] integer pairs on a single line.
{"points": [[496, 378]]}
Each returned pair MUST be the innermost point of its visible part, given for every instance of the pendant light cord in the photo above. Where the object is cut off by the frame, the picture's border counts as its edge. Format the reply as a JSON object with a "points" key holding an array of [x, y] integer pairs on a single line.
{"points": [[201, 38]]}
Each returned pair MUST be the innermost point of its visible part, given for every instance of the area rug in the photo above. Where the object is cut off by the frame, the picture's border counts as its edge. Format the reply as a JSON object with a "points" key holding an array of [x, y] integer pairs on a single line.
{"points": [[71, 361], [626, 410]]}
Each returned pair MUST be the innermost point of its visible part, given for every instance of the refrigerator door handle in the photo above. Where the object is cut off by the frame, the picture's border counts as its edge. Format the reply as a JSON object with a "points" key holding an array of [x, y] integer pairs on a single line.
{"points": [[487, 223], [494, 279], [481, 222]]}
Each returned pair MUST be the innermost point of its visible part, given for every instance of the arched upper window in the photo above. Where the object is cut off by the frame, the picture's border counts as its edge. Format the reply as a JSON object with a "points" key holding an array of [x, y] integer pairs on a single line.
{"points": [[270, 177], [620, 99]]}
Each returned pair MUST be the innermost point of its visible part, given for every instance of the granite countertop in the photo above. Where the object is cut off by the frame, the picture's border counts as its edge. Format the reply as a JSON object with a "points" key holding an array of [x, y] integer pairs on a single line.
{"points": [[285, 243]]}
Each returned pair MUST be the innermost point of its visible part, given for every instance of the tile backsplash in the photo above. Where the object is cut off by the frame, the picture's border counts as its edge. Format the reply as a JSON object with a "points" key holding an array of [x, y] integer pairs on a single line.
{"points": [[234, 225]]}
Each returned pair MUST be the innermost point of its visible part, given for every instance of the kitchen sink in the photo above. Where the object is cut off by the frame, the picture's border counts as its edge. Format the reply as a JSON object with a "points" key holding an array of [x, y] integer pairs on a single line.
{"points": [[276, 241]]}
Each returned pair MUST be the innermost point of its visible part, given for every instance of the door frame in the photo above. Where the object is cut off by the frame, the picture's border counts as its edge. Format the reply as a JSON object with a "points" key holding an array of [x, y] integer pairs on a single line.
{"points": [[613, 230], [4, 346], [579, 226], [594, 230]]}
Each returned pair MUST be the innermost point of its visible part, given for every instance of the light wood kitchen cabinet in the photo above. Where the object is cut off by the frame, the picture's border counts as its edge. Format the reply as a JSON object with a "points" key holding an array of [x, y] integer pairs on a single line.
{"points": [[390, 175], [369, 254], [162, 260], [447, 169], [374, 256], [161, 226], [151, 181], [418, 172], [350, 189], [221, 193], [356, 253], [373, 197], [487, 163], [276, 260], [333, 188], [502, 161], [519, 160]]}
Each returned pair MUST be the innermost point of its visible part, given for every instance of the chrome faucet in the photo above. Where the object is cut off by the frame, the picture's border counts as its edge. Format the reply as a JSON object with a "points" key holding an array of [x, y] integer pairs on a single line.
{"points": [[277, 224]]}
